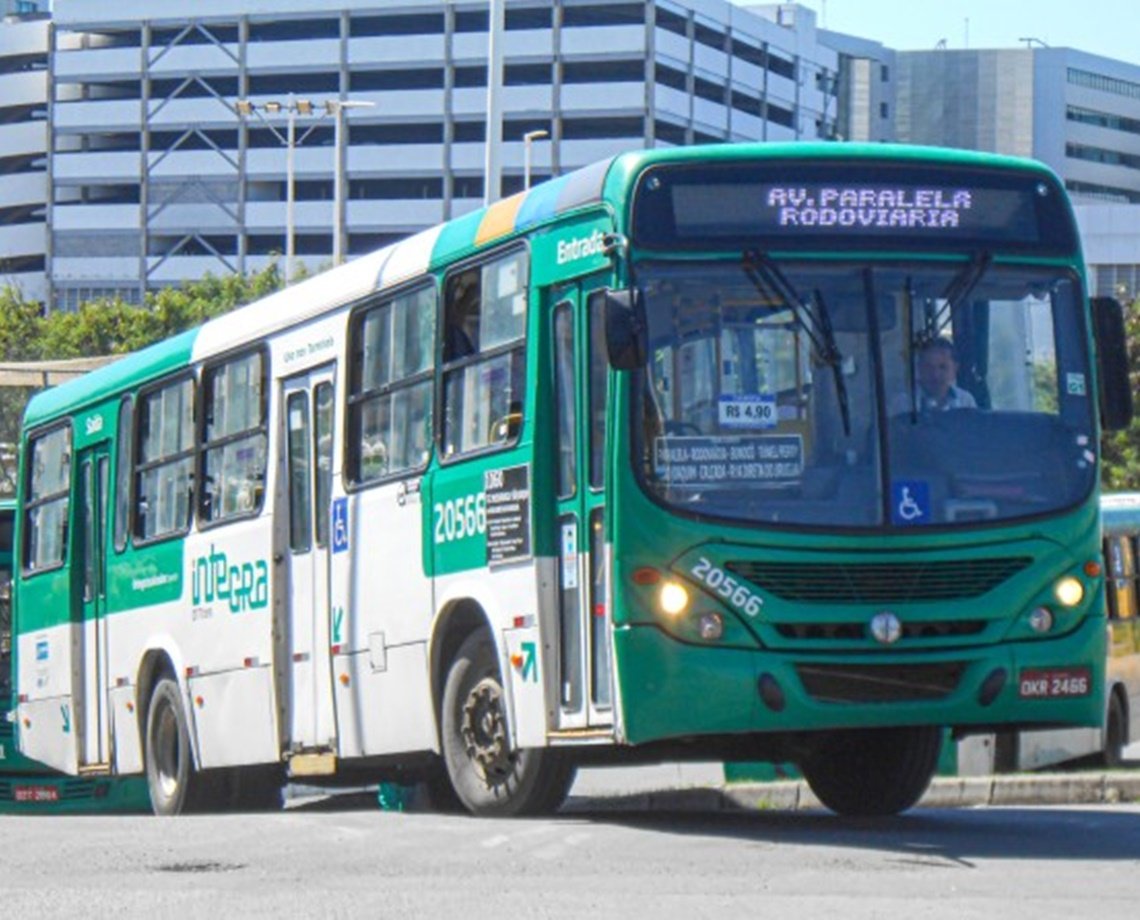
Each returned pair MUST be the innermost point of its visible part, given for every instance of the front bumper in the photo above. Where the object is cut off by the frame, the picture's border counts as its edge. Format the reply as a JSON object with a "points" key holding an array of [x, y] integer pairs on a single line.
{"points": [[671, 689]]}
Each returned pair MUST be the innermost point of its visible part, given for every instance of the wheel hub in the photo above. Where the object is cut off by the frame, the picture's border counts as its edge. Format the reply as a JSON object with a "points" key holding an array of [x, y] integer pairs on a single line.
{"points": [[484, 731]]}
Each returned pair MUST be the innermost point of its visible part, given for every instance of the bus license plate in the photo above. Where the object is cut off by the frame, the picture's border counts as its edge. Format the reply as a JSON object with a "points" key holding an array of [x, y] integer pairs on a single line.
{"points": [[1050, 683], [35, 794]]}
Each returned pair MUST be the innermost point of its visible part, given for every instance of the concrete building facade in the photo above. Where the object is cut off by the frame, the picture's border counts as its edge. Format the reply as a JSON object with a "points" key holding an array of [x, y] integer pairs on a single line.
{"points": [[1077, 112], [24, 130], [157, 177]]}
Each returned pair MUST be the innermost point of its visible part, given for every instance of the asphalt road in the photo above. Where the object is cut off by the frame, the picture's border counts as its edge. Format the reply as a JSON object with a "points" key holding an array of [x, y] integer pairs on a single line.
{"points": [[312, 861]]}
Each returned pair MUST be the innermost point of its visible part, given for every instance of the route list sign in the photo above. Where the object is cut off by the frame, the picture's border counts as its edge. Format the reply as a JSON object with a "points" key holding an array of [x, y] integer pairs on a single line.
{"points": [[508, 514], [685, 461]]}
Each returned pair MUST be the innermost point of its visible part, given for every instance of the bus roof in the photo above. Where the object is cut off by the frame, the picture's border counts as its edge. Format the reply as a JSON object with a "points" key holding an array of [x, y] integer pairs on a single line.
{"points": [[1120, 513], [606, 180]]}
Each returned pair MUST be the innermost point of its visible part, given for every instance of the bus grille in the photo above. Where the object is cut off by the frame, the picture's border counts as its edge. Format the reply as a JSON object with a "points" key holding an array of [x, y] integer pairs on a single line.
{"points": [[852, 683], [880, 583], [933, 629]]}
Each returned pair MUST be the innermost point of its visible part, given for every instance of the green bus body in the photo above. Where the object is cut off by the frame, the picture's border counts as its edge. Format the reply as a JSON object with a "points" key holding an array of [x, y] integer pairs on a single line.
{"points": [[25, 785], [293, 538]]}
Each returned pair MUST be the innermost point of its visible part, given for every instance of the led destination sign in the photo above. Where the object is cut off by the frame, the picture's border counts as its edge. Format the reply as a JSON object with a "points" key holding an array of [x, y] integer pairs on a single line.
{"points": [[868, 207], [802, 203]]}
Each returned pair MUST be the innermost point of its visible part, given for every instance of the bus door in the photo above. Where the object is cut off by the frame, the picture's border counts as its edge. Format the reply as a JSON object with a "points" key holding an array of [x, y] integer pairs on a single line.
{"points": [[309, 412], [580, 369], [90, 710]]}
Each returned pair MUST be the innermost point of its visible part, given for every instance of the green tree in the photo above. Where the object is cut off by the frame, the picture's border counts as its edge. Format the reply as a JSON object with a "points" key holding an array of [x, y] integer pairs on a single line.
{"points": [[106, 327], [1121, 449]]}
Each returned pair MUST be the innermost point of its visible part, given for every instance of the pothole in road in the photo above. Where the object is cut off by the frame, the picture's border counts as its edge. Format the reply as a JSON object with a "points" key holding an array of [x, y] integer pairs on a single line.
{"points": [[202, 866]]}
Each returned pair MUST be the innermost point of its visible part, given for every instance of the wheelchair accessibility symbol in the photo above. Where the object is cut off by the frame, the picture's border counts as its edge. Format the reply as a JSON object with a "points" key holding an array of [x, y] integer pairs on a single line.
{"points": [[910, 502]]}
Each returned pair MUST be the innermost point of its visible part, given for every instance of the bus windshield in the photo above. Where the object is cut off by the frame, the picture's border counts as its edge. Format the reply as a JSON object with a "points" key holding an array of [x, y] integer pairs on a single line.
{"points": [[860, 394]]}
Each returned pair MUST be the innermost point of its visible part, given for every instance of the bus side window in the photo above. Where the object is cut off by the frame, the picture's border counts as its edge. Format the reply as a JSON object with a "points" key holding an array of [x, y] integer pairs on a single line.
{"points": [[390, 398], [234, 438], [1126, 599], [46, 506], [123, 473], [484, 361], [164, 460], [1121, 589]]}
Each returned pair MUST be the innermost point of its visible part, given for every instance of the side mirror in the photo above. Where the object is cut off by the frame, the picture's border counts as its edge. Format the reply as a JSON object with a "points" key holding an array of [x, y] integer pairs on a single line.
{"points": [[626, 344], [1112, 362]]}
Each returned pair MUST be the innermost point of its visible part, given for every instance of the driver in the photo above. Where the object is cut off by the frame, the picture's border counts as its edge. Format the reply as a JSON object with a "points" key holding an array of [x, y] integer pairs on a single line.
{"points": [[937, 390]]}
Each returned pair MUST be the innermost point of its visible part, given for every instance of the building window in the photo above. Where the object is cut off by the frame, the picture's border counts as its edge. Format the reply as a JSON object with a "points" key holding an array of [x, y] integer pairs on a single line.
{"points": [[234, 438], [405, 24], [484, 366], [614, 14], [1103, 83], [390, 402], [529, 18]]}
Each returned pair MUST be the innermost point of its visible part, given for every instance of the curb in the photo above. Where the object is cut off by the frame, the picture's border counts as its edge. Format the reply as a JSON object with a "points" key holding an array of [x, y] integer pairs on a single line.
{"points": [[944, 792]]}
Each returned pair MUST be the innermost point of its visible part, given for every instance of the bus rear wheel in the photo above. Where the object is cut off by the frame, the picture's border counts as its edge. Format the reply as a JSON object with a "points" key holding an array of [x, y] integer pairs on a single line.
{"points": [[174, 785], [873, 772], [490, 778]]}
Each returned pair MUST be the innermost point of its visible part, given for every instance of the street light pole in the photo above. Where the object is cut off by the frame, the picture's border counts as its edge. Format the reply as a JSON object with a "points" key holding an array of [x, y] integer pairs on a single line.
{"points": [[290, 228], [492, 167], [529, 138], [336, 107], [304, 107]]}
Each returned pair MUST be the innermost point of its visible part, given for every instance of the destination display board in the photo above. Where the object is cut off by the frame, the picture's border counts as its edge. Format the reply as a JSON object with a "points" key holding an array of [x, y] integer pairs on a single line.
{"points": [[824, 204], [729, 461]]}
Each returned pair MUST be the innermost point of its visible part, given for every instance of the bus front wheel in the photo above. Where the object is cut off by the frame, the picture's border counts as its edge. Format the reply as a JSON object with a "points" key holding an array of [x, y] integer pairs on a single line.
{"points": [[490, 778], [872, 772], [174, 785], [1112, 755]]}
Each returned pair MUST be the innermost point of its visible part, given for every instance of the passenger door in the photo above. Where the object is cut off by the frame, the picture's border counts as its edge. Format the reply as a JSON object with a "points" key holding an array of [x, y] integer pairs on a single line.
{"points": [[91, 714], [580, 374], [309, 401]]}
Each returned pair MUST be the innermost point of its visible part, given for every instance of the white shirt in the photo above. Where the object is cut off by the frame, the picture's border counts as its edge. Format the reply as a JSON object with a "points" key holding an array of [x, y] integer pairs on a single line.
{"points": [[956, 398]]}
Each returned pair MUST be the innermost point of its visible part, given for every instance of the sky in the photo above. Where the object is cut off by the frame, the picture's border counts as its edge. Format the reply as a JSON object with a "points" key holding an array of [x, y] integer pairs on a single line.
{"points": [[1107, 27]]}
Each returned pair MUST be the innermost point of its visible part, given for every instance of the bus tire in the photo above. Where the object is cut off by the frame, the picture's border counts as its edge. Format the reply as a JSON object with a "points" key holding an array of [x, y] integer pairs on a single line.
{"points": [[1112, 755], [873, 772], [490, 778], [175, 786]]}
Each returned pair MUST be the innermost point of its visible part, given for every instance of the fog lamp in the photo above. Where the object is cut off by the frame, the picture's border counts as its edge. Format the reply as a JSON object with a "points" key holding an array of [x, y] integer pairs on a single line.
{"points": [[710, 626], [1069, 591], [673, 598], [1041, 620]]}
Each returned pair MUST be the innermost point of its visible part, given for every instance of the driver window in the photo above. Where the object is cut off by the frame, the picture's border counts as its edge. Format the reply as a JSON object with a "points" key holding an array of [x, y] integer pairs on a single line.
{"points": [[484, 355]]}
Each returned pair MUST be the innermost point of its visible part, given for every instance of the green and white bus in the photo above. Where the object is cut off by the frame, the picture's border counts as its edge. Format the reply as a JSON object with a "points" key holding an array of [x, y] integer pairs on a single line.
{"points": [[607, 472], [1119, 726], [25, 785]]}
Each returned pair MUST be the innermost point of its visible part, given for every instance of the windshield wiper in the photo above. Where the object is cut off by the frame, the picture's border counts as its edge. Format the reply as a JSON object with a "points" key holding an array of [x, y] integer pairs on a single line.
{"points": [[770, 282], [959, 288]]}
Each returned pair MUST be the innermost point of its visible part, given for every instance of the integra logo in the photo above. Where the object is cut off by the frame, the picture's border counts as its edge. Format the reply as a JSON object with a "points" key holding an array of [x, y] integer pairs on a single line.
{"points": [[242, 587], [580, 248]]}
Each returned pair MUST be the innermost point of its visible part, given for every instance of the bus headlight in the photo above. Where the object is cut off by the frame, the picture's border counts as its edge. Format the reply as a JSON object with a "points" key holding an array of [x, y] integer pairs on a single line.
{"points": [[673, 599], [1069, 591]]}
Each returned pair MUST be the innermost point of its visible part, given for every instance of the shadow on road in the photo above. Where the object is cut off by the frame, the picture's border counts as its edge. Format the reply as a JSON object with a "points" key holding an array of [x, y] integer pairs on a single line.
{"points": [[954, 836]]}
